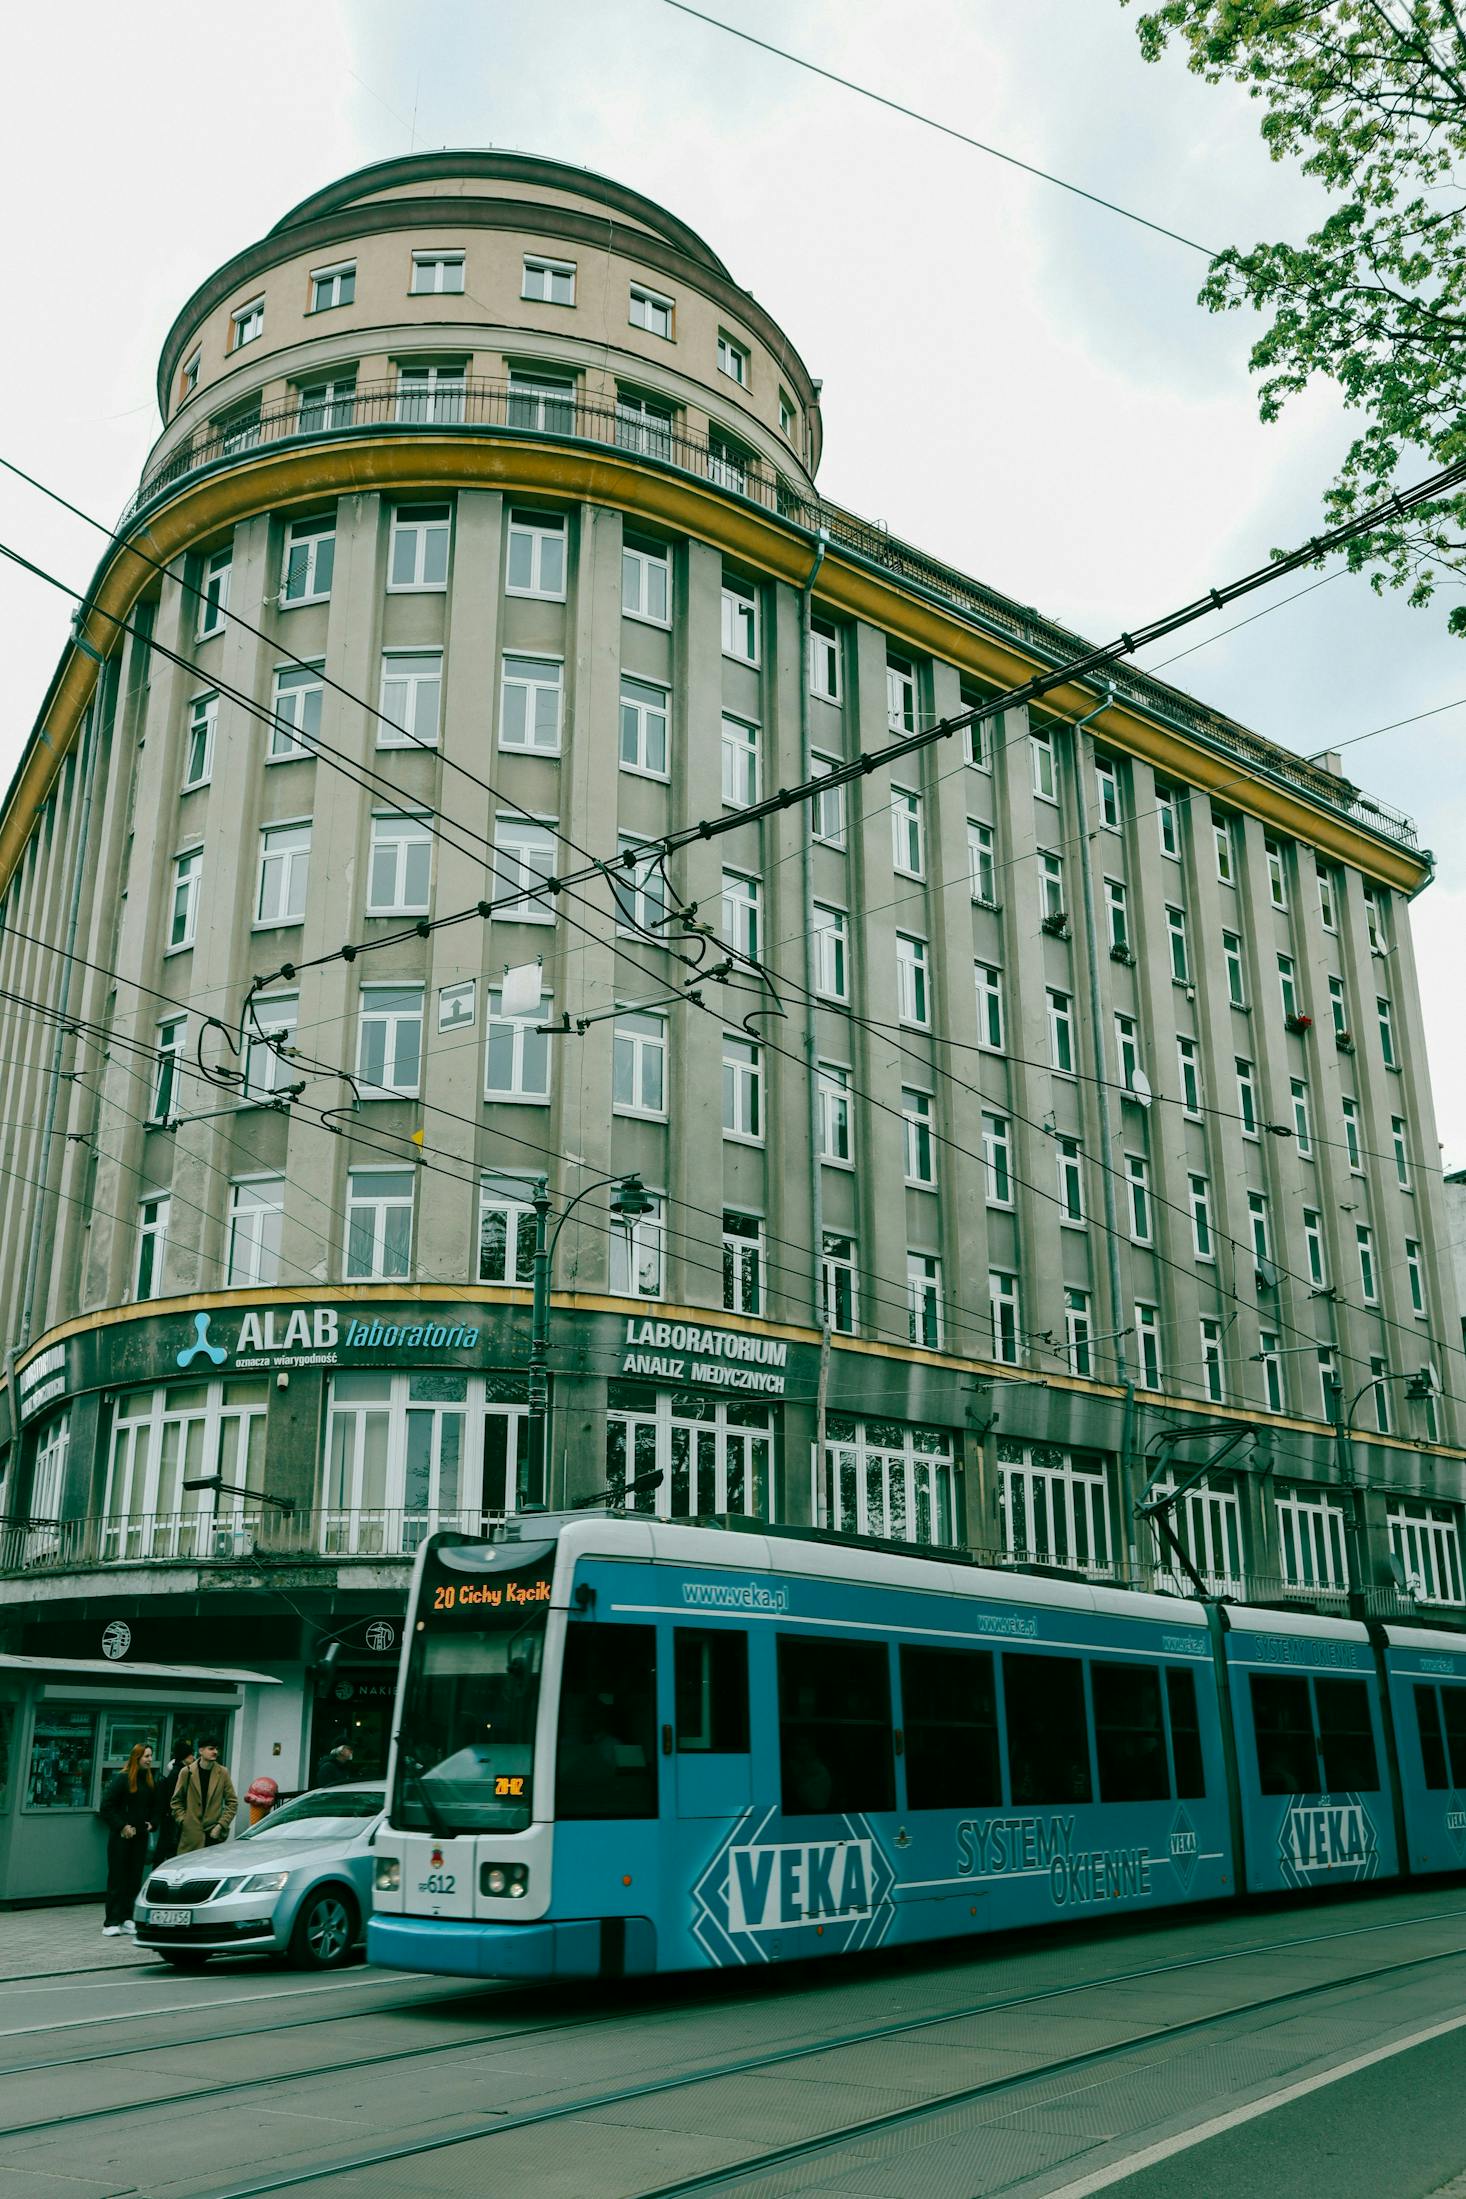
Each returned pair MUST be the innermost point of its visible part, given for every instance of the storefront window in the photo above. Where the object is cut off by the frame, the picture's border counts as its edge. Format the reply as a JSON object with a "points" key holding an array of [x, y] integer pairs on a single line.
{"points": [[882, 1477], [693, 1454], [63, 1751], [124, 1734], [164, 1437], [1054, 1506], [408, 1454], [1207, 1523]]}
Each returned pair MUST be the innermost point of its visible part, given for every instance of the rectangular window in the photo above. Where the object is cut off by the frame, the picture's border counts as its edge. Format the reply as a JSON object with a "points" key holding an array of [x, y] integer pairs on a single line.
{"points": [[1188, 1065], [924, 1300], [742, 912], [1048, 1732], [327, 404], [1349, 1110], [1050, 886], [1257, 1216], [1054, 1506], [1236, 979], [1272, 1371], [1368, 1284], [1127, 1050], [918, 1113], [1078, 1332], [1201, 1229], [979, 730], [1415, 1271], [833, 1094], [299, 694], [1180, 952], [1129, 1733], [1399, 1141], [506, 1230], [1376, 919], [437, 274], [535, 565], [198, 744], [172, 1041], [1117, 915], [839, 1296], [214, 592], [1041, 757], [743, 1088], [997, 1153], [728, 462], [412, 687], [378, 1223], [239, 429], [417, 550], [400, 867], [310, 558], [1137, 1176], [1426, 1540], [432, 396], [333, 286], [1288, 986], [516, 1054], [614, 1668], [152, 1245], [1168, 825], [907, 838], [188, 379], [1338, 1007], [1246, 1097], [989, 1007], [901, 714], [247, 322], [1329, 1383], [836, 1747], [831, 953], [646, 584], [1346, 1736], [1148, 1345], [913, 995], [524, 857], [824, 659], [1061, 1031], [710, 1691], [1302, 1128], [548, 282], [271, 1034], [740, 622], [1328, 898], [827, 809], [645, 727], [285, 854], [256, 1221], [1221, 828], [644, 424], [1107, 780], [1277, 876], [949, 1718], [389, 1042], [1379, 1371], [1386, 1033], [743, 1262], [1314, 1246], [740, 763], [1003, 1309], [650, 310], [1282, 1725], [733, 359], [1070, 1160], [639, 1065], [1212, 1379], [982, 877], [529, 709]]}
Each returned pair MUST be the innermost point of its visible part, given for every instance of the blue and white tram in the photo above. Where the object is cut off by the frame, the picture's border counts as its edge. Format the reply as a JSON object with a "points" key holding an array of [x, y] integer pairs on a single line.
{"points": [[629, 1746]]}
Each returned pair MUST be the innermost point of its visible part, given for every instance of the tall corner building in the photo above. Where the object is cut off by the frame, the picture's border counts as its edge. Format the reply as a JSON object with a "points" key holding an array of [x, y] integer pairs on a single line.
{"points": [[1031, 1118]]}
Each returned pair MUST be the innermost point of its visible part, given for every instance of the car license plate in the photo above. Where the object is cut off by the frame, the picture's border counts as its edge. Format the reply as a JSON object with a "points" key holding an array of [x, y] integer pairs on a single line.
{"points": [[170, 1916]]}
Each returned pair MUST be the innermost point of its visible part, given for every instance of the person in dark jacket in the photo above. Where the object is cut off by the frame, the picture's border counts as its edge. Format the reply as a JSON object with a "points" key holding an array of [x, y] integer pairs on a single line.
{"points": [[130, 1812], [178, 1763], [336, 1767]]}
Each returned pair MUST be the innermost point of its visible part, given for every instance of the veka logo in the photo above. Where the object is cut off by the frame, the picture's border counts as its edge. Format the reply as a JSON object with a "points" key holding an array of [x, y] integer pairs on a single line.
{"points": [[201, 1348], [1327, 1833], [754, 1891], [801, 1882]]}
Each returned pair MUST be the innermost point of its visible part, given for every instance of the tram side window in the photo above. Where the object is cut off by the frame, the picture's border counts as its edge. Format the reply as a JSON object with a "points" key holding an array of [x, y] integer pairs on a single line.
{"points": [[1453, 1703], [1432, 1739], [712, 1690], [1282, 1723], [606, 1764], [1346, 1737], [1048, 1733], [949, 1716], [835, 1741], [1129, 1739], [1185, 1733]]}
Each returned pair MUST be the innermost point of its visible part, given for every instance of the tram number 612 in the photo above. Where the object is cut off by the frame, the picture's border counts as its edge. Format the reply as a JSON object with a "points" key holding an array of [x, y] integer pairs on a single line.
{"points": [[438, 1882]]}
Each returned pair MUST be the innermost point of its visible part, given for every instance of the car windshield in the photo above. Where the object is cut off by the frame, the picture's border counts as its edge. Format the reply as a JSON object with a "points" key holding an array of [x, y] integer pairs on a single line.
{"points": [[465, 1756], [334, 1814]]}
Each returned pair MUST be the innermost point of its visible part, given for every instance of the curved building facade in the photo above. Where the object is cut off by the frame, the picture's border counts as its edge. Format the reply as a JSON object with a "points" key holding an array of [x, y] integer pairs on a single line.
{"points": [[1003, 1112]]}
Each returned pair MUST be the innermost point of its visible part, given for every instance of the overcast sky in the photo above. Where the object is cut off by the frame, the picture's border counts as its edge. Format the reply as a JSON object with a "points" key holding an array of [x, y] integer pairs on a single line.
{"points": [[1014, 379]]}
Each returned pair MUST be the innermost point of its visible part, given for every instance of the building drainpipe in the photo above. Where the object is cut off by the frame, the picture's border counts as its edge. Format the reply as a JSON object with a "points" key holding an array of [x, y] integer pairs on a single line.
{"points": [[811, 1041], [100, 710], [1102, 1103]]}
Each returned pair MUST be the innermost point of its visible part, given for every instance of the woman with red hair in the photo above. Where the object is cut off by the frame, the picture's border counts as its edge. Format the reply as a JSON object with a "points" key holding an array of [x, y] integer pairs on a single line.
{"points": [[130, 1813]]}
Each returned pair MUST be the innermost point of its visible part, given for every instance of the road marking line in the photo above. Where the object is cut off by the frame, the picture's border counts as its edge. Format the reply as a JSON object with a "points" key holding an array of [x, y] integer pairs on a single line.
{"points": [[1166, 2148], [173, 2008]]}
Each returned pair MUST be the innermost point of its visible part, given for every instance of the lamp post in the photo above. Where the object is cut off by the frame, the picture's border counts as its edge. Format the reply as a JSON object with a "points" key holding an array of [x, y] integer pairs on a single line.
{"points": [[1343, 1424], [629, 1197]]}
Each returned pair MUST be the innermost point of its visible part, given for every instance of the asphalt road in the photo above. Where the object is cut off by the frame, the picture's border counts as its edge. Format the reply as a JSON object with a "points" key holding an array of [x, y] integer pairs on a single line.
{"points": [[1033, 2066]]}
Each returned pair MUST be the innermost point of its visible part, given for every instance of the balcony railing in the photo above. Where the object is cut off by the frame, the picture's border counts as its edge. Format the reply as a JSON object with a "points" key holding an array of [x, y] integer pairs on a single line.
{"points": [[480, 403], [191, 1538]]}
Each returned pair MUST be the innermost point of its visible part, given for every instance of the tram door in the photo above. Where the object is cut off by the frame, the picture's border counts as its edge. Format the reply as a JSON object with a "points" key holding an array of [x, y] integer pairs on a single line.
{"points": [[708, 1739]]}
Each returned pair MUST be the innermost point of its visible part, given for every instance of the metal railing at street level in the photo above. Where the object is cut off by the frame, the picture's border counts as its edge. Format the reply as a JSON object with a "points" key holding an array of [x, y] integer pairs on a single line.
{"points": [[479, 403]]}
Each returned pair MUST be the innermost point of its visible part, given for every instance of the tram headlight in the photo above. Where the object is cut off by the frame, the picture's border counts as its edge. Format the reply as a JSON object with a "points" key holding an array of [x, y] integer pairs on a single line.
{"points": [[387, 1874], [503, 1879]]}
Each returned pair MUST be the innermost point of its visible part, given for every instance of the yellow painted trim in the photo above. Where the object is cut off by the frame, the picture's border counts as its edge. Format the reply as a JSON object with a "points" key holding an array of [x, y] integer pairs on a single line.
{"points": [[674, 501]]}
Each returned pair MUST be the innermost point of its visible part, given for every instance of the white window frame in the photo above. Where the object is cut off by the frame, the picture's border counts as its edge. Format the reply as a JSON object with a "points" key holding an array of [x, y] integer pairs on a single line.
{"points": [[1247, 1097], [423, 523], [1277, 873], [644, 728], [988, 981], [1288, 985], [743, 1089], [402, 833], [924, 1301], [1188, 1068], [836, 1114], [1054, 1507], [247, 324], [918, 1138], [1213, 1370], [840, 1279], [1117, 914], [902, 713], [1316, 1248], [536, 264], [1415, 1276], [1107, 782], [908, 833], [1168, 823], [1234, 960], [1368, 1267], [744, 1261], [1302, 1120], [339, 279], [1226, 851], [646, 566], [524, 858], [433, 273], [214, 591], [735, 359], [1007, 1334], [831, 952], [546, 537], [396, 1011], [997, 1155], [308, 561], [1151, 1369], [1069, 1160], [740, 762], [982, 875], [639, 1067], [639, 891], [298, 698], [882, 1478], [1339, 1006], [1273, 1385], [1426, 1540], [1311, 1551], [1127, 1049], [827, 809], [651, 311], [638, 1253], [1203, 1230], [284, 873], [1400, 1146], [275, 1016], [323, 405], [1142, 1212], [183, 900], [167, 1059], [529, 1047], [1078, 1331], [510, 1198], [1349, 1115], [527, 677], [154, 1219], [1059, 1007], [252, 1240], [1044, 765], [383, 1206], [431, 393], [740, 621], [1259, 1222], [198, 741], [1179, 944], [824, 659], [1328, 897], [411, 693], [1385, 1014], [913, 981]]}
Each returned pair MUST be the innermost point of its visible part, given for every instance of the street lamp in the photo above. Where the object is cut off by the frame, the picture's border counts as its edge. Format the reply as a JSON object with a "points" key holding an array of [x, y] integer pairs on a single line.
{"points": [[251, 1496], [629, 1197], [1421, 1384]]}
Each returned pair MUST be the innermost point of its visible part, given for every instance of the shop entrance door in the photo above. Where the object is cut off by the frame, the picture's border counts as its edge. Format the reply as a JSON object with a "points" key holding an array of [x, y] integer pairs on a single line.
{"points": [[358, 1709]]}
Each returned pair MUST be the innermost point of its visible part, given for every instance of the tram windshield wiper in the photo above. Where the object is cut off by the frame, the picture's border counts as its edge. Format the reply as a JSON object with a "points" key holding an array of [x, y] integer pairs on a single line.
{"points": [[438, 1825]]}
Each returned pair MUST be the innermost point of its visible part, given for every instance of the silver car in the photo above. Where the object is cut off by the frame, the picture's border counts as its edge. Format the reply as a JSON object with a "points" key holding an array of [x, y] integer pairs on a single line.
{"points": [[299, 1883]]}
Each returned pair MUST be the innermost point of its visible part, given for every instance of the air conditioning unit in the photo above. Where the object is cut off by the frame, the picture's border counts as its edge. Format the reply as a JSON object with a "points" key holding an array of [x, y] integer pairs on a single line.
{"points": [[234, 1542]]}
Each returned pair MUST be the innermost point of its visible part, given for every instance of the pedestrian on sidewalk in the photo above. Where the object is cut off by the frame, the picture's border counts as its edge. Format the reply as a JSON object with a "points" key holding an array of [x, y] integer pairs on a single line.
{"points": [[167, 1840], [336, 1767], [204, 1801], [130, 1812]]}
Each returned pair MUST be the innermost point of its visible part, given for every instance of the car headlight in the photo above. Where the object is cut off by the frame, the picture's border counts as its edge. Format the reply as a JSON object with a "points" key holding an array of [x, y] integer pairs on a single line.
{"points": [[387, 1874], [503, 1878], [264, 1882]]}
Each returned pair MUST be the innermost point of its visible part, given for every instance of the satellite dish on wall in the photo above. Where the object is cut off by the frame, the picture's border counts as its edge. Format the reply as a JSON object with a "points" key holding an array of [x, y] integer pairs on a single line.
{"points": [[1140, 1087]]}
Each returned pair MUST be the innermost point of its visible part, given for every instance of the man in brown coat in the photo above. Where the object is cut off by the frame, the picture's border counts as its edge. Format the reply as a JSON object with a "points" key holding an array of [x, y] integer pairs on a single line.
{"points": [[204, 1801]]}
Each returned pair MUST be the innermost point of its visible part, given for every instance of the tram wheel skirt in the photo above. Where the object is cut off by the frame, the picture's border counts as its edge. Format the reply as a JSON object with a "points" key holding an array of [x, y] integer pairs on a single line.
{"points": [[577, 1947]]}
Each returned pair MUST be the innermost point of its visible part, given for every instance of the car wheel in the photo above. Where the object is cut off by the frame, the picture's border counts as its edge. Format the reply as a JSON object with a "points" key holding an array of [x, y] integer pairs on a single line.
{"points": [[325, 1930], [182, 1958]]}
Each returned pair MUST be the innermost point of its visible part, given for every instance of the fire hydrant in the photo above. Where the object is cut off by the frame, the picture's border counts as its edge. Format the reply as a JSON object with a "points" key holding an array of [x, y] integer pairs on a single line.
{"points": [[261, 1794]]}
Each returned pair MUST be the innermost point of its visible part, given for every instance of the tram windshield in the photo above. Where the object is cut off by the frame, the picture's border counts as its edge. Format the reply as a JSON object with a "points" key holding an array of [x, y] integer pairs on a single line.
{"points": [[465, 1753]]}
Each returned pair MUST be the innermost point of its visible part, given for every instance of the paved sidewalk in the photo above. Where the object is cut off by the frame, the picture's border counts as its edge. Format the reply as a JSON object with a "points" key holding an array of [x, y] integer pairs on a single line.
{"points": [[50, 1942]]}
